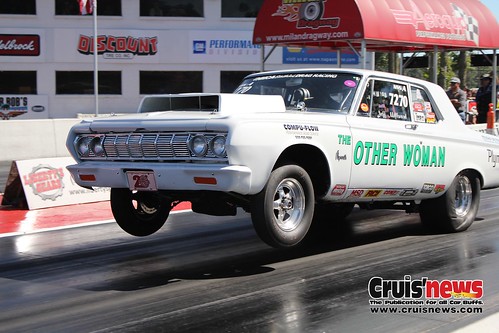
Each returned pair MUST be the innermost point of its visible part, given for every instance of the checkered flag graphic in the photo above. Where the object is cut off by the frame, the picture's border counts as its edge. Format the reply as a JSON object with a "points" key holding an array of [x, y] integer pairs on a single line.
{"points": [[470, 24]]}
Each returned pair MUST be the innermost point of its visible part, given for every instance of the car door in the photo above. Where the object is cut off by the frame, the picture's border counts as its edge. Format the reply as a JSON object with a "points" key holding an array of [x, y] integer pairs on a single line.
{"points": [[388, 155]]}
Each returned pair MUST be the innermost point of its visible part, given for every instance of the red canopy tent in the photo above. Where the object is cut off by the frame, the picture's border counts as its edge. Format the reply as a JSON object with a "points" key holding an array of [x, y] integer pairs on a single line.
{"points": [[383, 25], [378, 25]]}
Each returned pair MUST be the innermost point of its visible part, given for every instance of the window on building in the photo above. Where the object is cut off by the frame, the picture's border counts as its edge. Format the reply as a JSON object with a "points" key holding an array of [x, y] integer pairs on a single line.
{"points": [[172, 8], [104, 7], [20, 7], [82, 83], [229, 81], [241, 8], [18, 82], [170, 82]]}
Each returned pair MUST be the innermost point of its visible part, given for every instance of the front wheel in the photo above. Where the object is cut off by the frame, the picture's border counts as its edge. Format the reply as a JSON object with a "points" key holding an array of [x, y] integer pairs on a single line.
{"points": [[139, 213], [455, 210], [282, 212]]}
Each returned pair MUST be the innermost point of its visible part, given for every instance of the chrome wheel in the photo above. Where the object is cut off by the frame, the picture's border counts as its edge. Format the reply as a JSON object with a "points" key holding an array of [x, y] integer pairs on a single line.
{"points": [[289, 204], [282, 212], [464, 196]]}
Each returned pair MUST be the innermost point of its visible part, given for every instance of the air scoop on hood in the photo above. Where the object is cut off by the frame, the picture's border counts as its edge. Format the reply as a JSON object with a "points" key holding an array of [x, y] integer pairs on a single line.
{"points": [[216, 103]]}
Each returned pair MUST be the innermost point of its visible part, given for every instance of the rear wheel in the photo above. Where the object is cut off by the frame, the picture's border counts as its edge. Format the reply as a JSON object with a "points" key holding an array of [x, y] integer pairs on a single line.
{"points": [[455, 210], [139, 213], [282, 212]]}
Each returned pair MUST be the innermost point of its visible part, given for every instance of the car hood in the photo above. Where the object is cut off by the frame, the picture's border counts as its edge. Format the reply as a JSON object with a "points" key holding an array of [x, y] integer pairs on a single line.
{"points": [[187, 111]]}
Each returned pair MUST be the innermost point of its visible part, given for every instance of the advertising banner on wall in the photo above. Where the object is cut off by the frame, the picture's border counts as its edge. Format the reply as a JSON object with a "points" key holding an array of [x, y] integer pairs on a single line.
{"points": [[23, 45], [23, 107], [308, 55], [46, 183], [113, 46], [233, 47]]}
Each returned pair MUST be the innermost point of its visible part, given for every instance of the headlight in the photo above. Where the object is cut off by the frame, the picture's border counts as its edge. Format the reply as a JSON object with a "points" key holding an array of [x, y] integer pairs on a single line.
{"points": [[217, 146], [96, 147], [82, 146], [198, 145]]}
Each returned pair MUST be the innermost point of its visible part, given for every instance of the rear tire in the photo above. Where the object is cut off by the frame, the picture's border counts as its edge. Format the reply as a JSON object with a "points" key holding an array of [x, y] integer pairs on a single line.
{"points": [[282, 212], [456, 210], [139, 213]]}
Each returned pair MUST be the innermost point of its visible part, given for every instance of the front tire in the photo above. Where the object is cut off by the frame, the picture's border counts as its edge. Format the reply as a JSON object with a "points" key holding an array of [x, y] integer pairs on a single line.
{"points": [[139, 213], [456, 210], [282, 212]]}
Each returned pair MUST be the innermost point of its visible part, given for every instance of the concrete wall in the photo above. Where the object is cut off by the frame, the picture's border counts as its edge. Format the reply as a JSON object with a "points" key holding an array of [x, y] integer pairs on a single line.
{"points": [[28, 139]]}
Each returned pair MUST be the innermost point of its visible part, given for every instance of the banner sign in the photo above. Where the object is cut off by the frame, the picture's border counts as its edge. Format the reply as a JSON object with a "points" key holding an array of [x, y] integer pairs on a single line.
{"points": [[19, 45], [304, 55], [233, 47], [47, 183], [23, 107]]}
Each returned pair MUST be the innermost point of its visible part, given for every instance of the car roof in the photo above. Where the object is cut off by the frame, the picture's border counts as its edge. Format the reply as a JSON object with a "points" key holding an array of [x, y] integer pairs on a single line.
{"points": [[361, 72]]}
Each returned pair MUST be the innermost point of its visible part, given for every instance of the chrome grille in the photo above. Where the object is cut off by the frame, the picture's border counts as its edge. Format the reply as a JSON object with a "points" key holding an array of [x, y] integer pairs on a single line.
{"points": [[152, 147]]}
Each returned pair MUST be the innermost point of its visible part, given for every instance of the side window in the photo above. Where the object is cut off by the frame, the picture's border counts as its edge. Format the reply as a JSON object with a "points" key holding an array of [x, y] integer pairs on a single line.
{"points": [[385, 100], [422, 108]]}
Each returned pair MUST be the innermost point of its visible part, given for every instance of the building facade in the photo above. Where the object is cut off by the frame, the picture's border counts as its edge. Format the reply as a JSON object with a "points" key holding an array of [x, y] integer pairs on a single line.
{"points": [[144, 47]]}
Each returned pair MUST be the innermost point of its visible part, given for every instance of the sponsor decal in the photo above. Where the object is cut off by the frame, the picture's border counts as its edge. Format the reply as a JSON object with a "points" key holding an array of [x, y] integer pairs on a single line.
{"points": [[492, 157], [356, 193], [427, 188], [408, 193], [384, 153], [340, 157], [419, 117], [305, 128], [439, 188], [339, 189], [372, 193], [300, 132], [431, 118], [391, 192], [45, 181], [364, 107], [20, 45], [119, 46]]}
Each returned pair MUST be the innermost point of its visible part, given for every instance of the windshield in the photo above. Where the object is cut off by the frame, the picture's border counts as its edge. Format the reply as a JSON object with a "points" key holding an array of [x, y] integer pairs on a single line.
{"points": [[320, 92]]}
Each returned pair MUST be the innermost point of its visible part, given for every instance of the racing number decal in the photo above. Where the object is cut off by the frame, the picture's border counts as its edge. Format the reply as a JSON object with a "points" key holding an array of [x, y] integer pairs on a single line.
{"points": [[141, 181]]}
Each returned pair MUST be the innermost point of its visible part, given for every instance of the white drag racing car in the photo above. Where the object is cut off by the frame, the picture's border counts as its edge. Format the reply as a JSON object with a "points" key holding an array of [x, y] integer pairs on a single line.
{"points": [[297, 149]]}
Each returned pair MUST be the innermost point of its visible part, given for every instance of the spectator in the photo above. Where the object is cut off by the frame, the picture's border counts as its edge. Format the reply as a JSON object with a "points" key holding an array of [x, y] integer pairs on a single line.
{"points": [[483, 98], [457, 97]]}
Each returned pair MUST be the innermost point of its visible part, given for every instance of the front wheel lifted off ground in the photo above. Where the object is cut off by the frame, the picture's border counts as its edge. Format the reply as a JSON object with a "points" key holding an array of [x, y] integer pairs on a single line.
{"points": [[282, 212], [139, 213], [455, 210]]}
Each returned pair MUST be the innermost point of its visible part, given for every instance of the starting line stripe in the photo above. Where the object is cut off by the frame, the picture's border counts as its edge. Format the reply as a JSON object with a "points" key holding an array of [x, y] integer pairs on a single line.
{"points": [[70, 226]]}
